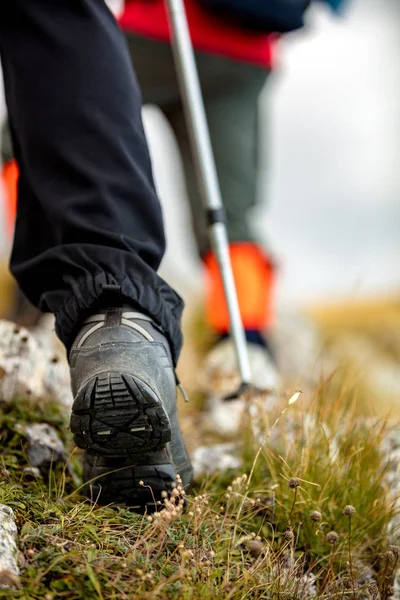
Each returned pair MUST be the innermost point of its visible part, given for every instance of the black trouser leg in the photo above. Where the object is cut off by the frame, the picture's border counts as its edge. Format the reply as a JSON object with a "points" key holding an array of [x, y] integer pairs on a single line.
{"points": [[88, 213]]}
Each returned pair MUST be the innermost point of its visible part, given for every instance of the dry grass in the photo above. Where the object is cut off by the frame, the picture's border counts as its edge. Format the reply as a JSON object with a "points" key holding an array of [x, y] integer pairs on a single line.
{"points": [[364, 338], [262, 533], [378, 322], [283, 528]]}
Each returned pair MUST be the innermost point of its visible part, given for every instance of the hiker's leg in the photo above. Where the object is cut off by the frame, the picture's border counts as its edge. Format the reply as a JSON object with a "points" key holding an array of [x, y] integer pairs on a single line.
{"points": [[231, 93], [88, 214], [89, 239]]}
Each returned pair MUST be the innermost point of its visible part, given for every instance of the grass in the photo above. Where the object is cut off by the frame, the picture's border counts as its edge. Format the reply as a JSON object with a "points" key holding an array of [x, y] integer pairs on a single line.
{"points": [[265, 532], [282, 528], [364, 335]]}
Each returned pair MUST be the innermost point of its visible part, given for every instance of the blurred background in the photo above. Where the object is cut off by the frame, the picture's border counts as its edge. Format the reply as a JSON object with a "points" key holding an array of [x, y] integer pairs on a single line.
{"points": [[331, 133], [329, 181]]}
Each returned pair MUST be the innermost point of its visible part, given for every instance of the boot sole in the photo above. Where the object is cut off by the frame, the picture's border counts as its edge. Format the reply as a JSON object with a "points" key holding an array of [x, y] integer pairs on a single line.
{"points": [[139, 487], [117, 415]]}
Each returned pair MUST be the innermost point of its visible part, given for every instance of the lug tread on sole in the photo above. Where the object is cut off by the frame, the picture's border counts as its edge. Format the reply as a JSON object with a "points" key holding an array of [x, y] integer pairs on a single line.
{"points": [[119, 415]]}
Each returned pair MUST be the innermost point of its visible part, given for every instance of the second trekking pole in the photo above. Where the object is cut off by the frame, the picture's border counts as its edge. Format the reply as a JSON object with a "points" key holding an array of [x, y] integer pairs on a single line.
{"points": [[207, 175]]}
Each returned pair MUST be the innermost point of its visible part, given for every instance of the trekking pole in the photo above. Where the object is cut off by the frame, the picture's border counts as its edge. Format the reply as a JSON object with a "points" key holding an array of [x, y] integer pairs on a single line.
{"points": [[207, 175]]}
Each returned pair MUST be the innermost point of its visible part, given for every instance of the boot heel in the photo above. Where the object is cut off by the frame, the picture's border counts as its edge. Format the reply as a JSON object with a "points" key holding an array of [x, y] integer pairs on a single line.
{"points": [[119, 415]]}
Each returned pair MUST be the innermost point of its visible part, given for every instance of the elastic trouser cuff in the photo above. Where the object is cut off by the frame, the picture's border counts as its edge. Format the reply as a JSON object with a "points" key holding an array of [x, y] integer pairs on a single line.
{"points": [[159, 301]]}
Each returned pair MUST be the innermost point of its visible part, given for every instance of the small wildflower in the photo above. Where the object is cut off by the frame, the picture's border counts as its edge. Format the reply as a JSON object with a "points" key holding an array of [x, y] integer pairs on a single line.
{"points": [[315, 516], [255, 548], [349, 510], [288, 535], [390, 590], [389, 555], [150, 518], [332, 538], [293, 483], [295, 397], [373, 589]]}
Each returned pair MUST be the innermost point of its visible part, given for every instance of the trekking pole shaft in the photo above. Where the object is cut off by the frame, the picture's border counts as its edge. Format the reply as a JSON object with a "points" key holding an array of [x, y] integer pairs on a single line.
{"points": [[208, 180]]}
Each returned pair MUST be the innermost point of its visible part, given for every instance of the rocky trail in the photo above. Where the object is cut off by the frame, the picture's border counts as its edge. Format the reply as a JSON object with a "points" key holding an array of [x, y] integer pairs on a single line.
{"points": [[342, 428]]}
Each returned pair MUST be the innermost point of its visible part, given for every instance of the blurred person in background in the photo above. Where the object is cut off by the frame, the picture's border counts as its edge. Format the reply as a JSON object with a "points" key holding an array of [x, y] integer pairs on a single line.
{"points": [[234, 64], [234, 61]]}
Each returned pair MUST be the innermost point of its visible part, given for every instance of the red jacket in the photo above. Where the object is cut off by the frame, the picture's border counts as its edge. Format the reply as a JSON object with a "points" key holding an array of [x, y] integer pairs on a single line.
{"points": [[148, 18]]}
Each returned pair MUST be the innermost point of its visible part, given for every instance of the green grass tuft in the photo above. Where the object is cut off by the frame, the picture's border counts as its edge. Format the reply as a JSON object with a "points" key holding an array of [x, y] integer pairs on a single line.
{"points": [[242, 535]]}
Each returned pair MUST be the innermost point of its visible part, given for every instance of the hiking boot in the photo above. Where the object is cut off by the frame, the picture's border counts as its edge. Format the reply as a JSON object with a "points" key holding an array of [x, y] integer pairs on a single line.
{"points": [[140, 485], [124, 412], [221, 378]]}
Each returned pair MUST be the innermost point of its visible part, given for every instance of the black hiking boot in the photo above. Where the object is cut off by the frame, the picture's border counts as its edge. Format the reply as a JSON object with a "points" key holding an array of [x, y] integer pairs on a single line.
{"points": [[124, 413], [140, 485]]}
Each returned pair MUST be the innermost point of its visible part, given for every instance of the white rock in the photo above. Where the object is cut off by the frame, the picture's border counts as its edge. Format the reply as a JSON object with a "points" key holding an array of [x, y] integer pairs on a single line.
{"points": [[298, 345], [207, 460], [29, 367], [391, 453], [294, 581], [9, 570], [32, 472], [221, 378], [45, 447]]}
